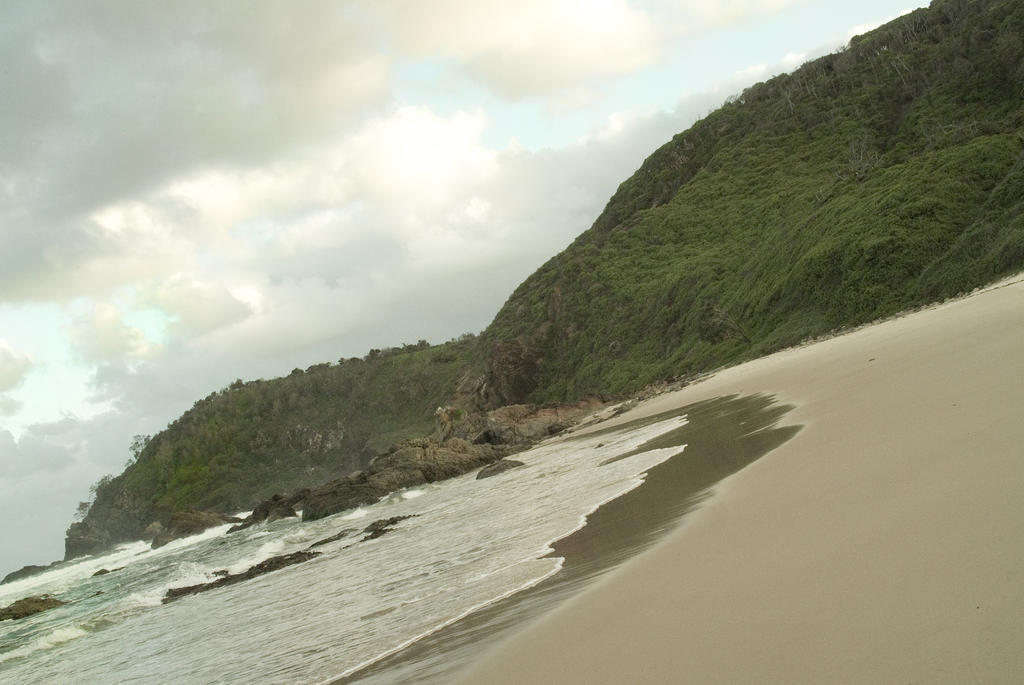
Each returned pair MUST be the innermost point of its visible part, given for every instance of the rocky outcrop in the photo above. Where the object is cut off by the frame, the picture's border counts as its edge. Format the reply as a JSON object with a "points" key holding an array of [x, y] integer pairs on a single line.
{"points": [[382, 526], [510, 374], [525, 424], [191, 522], [83, 538], [104, 571], [413, 462], [344, 533], [517, 425], [266, 566], [497, 467], [116, 516], [25, 572], [28, 606], [272, 509]]}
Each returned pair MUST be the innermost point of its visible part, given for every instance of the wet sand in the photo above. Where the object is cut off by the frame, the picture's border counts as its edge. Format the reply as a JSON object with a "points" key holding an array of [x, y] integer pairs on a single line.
{"points": [[883, 543]]}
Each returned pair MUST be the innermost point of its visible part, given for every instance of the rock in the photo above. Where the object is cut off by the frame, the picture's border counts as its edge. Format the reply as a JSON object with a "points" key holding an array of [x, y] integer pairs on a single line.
{"points": [[382, 526], [444, 422], [152, 530], [497, 467], [337, 536], [28, 606], [270, 510], [191, 522], [413, 462], [266, 566], [510, 374], [24, 572], [82, 539], [525, 424]]}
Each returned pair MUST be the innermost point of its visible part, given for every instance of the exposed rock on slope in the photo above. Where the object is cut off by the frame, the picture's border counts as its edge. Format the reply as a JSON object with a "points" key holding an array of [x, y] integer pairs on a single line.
{"points": [[497, 467], [412, 463]]}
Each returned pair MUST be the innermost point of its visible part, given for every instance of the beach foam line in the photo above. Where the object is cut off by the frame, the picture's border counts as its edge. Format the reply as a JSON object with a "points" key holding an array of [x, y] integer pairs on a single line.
{"points": [[540, 555]]}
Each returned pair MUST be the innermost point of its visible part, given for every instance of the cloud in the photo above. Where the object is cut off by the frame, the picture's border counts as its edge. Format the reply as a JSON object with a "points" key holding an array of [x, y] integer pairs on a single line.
{"points": [[14, 367], [701, 14], [107, 101], [531, 47], [751, 73], [101, 335]]}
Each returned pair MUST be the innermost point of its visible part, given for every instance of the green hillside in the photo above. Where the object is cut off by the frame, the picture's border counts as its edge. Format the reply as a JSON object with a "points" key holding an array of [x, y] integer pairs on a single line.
{"points": [[246, 442], [871, 180]]}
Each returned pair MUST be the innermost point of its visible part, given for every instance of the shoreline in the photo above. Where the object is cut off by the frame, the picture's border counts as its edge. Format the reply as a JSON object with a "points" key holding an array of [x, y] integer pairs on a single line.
{"points": [[720, 437], [879, 544]]}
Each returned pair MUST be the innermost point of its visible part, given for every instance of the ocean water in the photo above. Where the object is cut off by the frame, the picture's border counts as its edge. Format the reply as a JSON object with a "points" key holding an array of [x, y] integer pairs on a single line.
{"points": [[469, 545]]}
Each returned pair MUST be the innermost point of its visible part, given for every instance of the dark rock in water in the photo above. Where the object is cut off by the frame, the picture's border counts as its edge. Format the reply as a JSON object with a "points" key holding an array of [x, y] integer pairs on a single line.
{"points": [[191, 522], [497, 467], [105, 571], [266, 566], [221, 573], [24, 572], [382, 526], [270, 510], [337, 536], [29, 606], [413, 462]]}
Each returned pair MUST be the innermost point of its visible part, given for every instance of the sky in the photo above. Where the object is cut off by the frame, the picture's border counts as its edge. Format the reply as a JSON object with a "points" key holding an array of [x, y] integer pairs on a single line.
{"points": [[197, 191]]}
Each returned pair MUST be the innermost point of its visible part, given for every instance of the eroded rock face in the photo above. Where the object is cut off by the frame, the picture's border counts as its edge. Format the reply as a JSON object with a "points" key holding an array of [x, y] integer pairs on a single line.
{"points": [[28, 606], [413, 462], [83, 539], [497, 467], [510, 374], [525, 424]]}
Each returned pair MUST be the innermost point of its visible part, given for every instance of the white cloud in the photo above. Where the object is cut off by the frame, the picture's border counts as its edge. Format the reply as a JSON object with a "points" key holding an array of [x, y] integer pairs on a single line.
{"points": [[751, 73], [197, 306], [14, 366], [531, 47], [794, 59], [101, 335], [701, 14]]}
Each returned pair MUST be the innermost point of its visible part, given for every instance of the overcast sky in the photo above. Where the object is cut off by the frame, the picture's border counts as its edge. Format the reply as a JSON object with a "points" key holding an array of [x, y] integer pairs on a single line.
{"points": [[197, 191]]}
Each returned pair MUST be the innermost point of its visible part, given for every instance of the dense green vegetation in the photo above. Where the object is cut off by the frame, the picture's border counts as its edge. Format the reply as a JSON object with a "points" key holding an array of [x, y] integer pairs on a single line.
{"points": [[871, 180], [248, 441], [887, 175]]}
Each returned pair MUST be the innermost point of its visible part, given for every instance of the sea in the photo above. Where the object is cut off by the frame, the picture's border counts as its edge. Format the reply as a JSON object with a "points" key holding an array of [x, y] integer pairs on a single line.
{"points": [[467, 545]]}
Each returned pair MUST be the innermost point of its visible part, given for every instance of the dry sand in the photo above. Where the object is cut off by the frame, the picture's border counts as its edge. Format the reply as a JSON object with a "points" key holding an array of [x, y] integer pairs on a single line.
{"points": [[882, 544]]}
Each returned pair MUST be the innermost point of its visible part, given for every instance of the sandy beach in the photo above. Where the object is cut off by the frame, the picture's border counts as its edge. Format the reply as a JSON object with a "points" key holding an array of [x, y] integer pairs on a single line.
{"points": [[884, 543]]}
